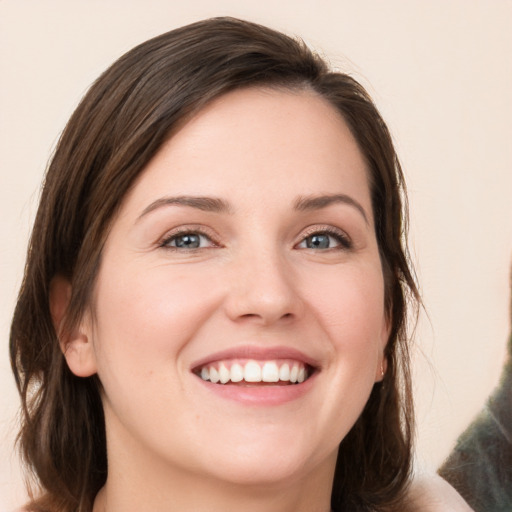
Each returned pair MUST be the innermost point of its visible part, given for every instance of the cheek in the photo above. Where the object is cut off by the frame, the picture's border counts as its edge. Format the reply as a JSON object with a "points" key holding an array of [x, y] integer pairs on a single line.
{"points": [[149, 315], [144, 320], [350, 305]]}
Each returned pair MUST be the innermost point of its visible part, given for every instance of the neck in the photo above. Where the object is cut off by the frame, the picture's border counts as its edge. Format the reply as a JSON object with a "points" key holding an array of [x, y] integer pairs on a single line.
{"points": [[203, 495]]}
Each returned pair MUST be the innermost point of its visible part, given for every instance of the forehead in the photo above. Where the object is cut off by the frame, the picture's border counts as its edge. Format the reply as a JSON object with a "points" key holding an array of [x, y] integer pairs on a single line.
{"points": [[258, 141]]}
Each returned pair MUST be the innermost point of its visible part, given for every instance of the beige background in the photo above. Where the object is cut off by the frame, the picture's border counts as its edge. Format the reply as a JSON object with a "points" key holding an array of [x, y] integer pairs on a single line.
{"points": [[441, 74]]}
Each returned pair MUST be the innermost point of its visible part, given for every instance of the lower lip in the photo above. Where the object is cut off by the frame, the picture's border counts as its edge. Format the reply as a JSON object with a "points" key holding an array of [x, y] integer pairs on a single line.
{"points": [[260, 395]]}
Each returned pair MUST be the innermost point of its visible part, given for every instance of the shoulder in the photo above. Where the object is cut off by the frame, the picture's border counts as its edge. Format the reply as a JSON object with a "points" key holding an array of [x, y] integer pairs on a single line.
{"points": [[431, 493]]}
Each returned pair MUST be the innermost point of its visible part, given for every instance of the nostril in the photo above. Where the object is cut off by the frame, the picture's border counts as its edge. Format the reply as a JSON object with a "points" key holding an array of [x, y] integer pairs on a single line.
{"points": [[266, 318]]}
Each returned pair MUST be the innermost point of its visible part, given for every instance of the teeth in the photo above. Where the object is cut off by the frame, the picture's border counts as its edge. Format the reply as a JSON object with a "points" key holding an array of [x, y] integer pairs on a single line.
{"points": [[237, 373], [293, 374], [224, 374], [284, 372], [214, 375], [254, 371], [270, 372]]}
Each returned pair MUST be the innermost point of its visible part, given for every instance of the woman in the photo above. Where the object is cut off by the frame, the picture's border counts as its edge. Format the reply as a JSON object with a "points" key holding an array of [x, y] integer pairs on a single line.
{"points": [[213, 312]]}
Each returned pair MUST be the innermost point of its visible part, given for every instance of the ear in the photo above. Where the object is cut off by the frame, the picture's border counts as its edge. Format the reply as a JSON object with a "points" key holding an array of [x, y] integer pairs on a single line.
{"points": [[382, 365], [381, 369], [76, 344]]}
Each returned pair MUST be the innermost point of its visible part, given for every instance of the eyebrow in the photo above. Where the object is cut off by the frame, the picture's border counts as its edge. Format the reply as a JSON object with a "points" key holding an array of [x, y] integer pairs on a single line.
{"points": [[206, 204], [217, 205], [308, 203]]}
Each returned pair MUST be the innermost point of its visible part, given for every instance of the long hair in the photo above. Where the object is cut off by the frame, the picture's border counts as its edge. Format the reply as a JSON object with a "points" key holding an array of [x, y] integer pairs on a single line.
{"points": [[119, 125]]}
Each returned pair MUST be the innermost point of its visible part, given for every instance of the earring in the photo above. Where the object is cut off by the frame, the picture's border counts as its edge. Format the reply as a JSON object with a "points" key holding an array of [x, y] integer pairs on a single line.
{"points": [[382, 369]]}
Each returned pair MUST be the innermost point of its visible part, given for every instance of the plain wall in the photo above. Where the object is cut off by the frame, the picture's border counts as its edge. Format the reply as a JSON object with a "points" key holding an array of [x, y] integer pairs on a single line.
{"points": [[441, 74]]}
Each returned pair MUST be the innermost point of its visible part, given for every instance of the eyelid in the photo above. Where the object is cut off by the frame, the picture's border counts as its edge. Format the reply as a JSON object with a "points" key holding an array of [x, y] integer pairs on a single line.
{"points": [[344, 239], [195, 229]]}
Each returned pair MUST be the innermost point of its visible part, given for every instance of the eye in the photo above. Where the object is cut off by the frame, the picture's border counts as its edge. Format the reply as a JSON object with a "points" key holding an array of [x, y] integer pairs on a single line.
{"points": [[325, 239], [188, 240]]}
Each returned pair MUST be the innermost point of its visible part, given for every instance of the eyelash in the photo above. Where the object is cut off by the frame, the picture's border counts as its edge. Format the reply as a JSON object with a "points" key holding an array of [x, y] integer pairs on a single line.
{"points": [[187, 231], [345, 243], [341, 238]]}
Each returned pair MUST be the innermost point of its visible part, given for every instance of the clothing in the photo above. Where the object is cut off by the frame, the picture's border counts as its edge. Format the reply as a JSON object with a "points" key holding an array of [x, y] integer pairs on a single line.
{"points": [[480, 466]]}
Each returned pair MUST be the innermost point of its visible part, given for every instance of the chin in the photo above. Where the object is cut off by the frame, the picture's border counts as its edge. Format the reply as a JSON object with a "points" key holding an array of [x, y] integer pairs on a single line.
{"points": [[261, 473], [264, 462]]}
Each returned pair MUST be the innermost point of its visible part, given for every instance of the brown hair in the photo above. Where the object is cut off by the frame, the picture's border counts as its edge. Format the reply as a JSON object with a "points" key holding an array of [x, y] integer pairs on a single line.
{"points": [[117, 128]]}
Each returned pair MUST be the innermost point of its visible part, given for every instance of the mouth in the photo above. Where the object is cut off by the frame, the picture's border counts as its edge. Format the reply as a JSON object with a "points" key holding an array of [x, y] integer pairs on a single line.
{"points": [[254, 375], [254, 372]]}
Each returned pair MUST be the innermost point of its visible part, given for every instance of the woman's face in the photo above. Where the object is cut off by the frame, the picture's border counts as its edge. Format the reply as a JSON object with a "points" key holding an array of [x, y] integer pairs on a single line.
{"points": [[243, 259]]}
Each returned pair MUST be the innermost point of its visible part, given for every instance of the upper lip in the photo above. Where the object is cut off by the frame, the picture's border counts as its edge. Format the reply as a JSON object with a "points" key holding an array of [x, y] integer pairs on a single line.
{"points": [[258, 353]]}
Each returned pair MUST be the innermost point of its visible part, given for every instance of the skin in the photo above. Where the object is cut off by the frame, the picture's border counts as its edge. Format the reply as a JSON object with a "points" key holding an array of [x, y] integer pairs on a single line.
{"points": [[254, 282], [430, 493]]}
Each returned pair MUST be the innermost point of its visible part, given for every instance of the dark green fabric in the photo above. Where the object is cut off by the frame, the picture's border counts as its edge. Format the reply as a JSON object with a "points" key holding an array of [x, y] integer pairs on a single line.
{"points": [[480, 466]]}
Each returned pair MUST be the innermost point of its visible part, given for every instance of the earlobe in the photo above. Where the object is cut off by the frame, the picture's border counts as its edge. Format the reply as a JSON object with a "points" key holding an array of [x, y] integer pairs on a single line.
{"points": [[381, 369], [383, 362], [75, 343]]}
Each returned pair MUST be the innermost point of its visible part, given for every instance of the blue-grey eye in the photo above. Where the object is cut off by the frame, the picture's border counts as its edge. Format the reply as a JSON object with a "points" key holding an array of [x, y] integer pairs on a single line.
{"points": [[188, 241], [319, 241], [323, 240]]}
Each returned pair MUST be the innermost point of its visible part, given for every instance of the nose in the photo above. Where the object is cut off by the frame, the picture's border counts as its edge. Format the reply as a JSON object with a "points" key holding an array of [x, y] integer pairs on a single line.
{"points": [[263, 290]]}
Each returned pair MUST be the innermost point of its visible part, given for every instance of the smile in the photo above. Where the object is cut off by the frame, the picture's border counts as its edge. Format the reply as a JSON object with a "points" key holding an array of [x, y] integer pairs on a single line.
{"points": [[278, 372]]}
